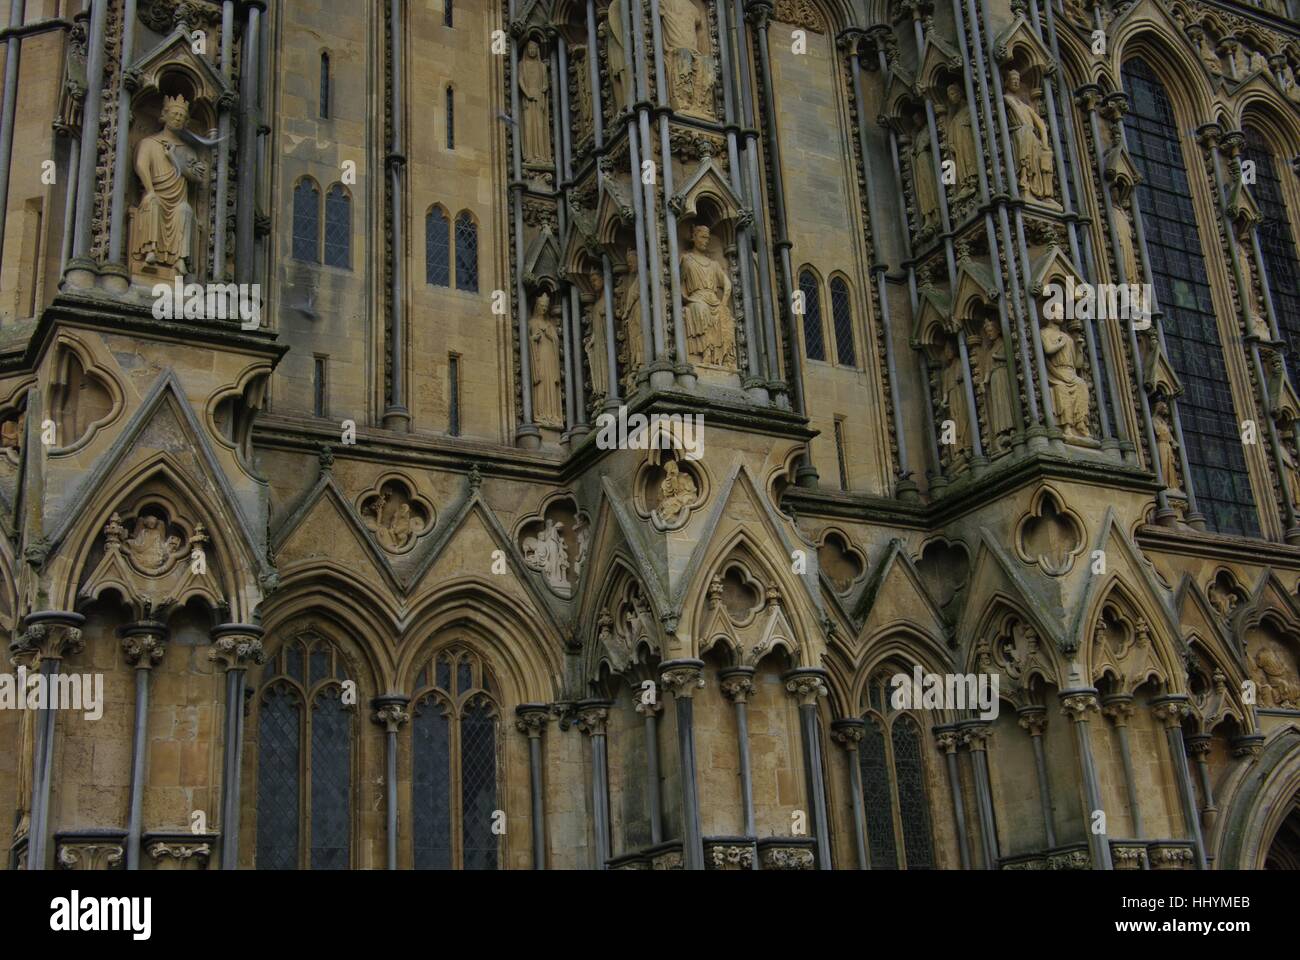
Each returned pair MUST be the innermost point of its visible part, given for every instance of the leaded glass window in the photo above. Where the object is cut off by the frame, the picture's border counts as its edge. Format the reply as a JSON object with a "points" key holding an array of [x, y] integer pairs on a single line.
{"points": [[877, 797], [1210, 432], [814, 343], [892, 764], [1276, 243], [909, 772], [456, 764], [306, 222], [466, 252], [842, 316], [338, 227], [305, 760], [437, 248]]}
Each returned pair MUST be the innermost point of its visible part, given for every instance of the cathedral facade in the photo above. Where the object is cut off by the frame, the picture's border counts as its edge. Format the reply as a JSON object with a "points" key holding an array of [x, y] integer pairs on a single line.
{"points": [[671, 434]]}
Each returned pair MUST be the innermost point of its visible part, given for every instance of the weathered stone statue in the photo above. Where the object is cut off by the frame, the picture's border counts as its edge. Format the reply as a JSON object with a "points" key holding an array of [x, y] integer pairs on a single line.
{"points": [[544, 358], [677, 492], [593, 343], [166, 165], [1069, 389], [706, 289], [952, 404], [535, 102], [999, 398], [1127, 244], [1166, 445], [548, 553], [1208, 55], [629, 319], [961, 143], [1029, 140], [1278, 685], [616, 52], [923, 182], [686, 44], [1256, 325]]}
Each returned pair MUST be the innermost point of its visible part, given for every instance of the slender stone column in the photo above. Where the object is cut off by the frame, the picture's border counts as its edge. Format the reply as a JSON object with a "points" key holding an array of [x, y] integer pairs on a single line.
{"points": [[1119, 707], [1198, 745], [46, 638], [848, 733], [396, 414], [9, 112], [737, 684], [1171, 710], [390, 713], [660, 372], [1077, 704], [593, 67], [974, 736], [1033, 719], [531, 719], [682, 678], [234, 647], [81, 268], [226, 104], [70, 189], [144, 643], [593, 716], [614, 388], [250, 97], [649, 710], [947, 740], [806, 684], [117, 205], [527, 433]]}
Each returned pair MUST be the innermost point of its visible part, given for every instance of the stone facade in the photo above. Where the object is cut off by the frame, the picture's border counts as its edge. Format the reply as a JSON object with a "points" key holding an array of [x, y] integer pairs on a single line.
{"points": [[317, 321]]}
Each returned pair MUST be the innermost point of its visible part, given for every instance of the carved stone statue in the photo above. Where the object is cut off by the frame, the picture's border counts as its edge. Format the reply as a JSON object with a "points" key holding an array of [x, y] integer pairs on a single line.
{"points": [[923, 183], [677, 493], [1256, 325], [1208, 55], [392, 521], [616, 52], [999, 398], [593, 344], [952, 402], [629, 319], [961, 143], [150, 548], [534, 104], [582, 116], [1069, 389], [1127, 244], [544, 359], [1278, 686], [706, 290], [166, 165], [1029, 139], [686, 45], [548, 553], [11, 432], [1166, 445]]}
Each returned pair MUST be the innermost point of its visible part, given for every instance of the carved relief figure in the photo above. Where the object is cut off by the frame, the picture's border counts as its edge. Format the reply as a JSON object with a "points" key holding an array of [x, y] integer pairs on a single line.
{"points": [[1029, 139], [1277, 684], [1256, 325], [166, 165], [582, 98], [11, 432], [616, 52], [535, 93], [1166, 445], [544, 358], [952, 400], [706, 285], [390, 518], [677, 493], [961, 143], [999, 398], [1069, 389], [686, 43], [1127, 244], [629, 319], [547, 553], [150, 548], [923, 183], [593, 344], [1208, 55]]}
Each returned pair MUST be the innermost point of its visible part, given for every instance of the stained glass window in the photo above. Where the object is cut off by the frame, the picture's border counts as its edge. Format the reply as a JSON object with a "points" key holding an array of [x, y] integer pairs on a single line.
{"points": [[842, 315], [437, 248], [455, 766], [1210, 432], [466, 252], [1276, 243], [814, 343], [912, 806], [304, 760], [338, 227], [877, 797], [306, 222]]}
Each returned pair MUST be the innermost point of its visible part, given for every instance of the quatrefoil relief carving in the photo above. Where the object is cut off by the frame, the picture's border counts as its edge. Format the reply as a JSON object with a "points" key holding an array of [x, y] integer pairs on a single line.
{"points": [[395, 514], [842, 562], [554, 542], [668, 488], [1049, 536], [1225, 593]]}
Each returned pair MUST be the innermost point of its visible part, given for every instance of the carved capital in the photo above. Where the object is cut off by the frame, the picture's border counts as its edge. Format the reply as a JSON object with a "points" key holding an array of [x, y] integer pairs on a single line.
{"points": [[237, 645], [1033, 719], [531, 719], [1248, 746], [1118, 709], [1171, 711], [144, 643], [49, 635], [947, 739], [975, 737], [737, 684], [1199, 745], [806, 684], [682, 678], [1114, 106], [178, 854], [848, 733], [1088, 96], [1078, 704], [592, 716], [1208, 135], [390, 711]]}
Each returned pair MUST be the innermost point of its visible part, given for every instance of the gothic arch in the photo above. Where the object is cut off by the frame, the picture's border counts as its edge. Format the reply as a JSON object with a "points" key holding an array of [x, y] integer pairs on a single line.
{"points": [[1259, 802], [641, 640], [1119, 602], [325, 599], [1179, 71]]}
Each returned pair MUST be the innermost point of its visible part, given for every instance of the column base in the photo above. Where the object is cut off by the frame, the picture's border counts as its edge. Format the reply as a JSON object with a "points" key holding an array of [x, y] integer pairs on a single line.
{"points": [[397, 418], [80, 273], [114, 278], [528, 437]]}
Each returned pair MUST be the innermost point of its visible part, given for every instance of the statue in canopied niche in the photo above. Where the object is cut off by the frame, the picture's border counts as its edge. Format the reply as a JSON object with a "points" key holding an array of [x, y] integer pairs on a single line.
{"points": [[534, 104], [167, 164], [686, 43], [999, 397], [1256, 325], [593, 343], [582, 98], [923, 182], [706, 289], [544, 359], [1166, 445], [616, 52], [549, 554], [961, 143], [1029, 140], [952, 402], [677, 493], [1069, 390], [629, 319], [1127, 241]]}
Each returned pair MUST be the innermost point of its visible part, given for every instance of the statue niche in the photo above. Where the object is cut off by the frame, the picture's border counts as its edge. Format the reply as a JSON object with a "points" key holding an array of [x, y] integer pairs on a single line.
{"points": [[544, 363], [628, 314], [688, 50], [1274, 666], [535, 107], [554, 543], [1029, 140], [706, 292]]}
